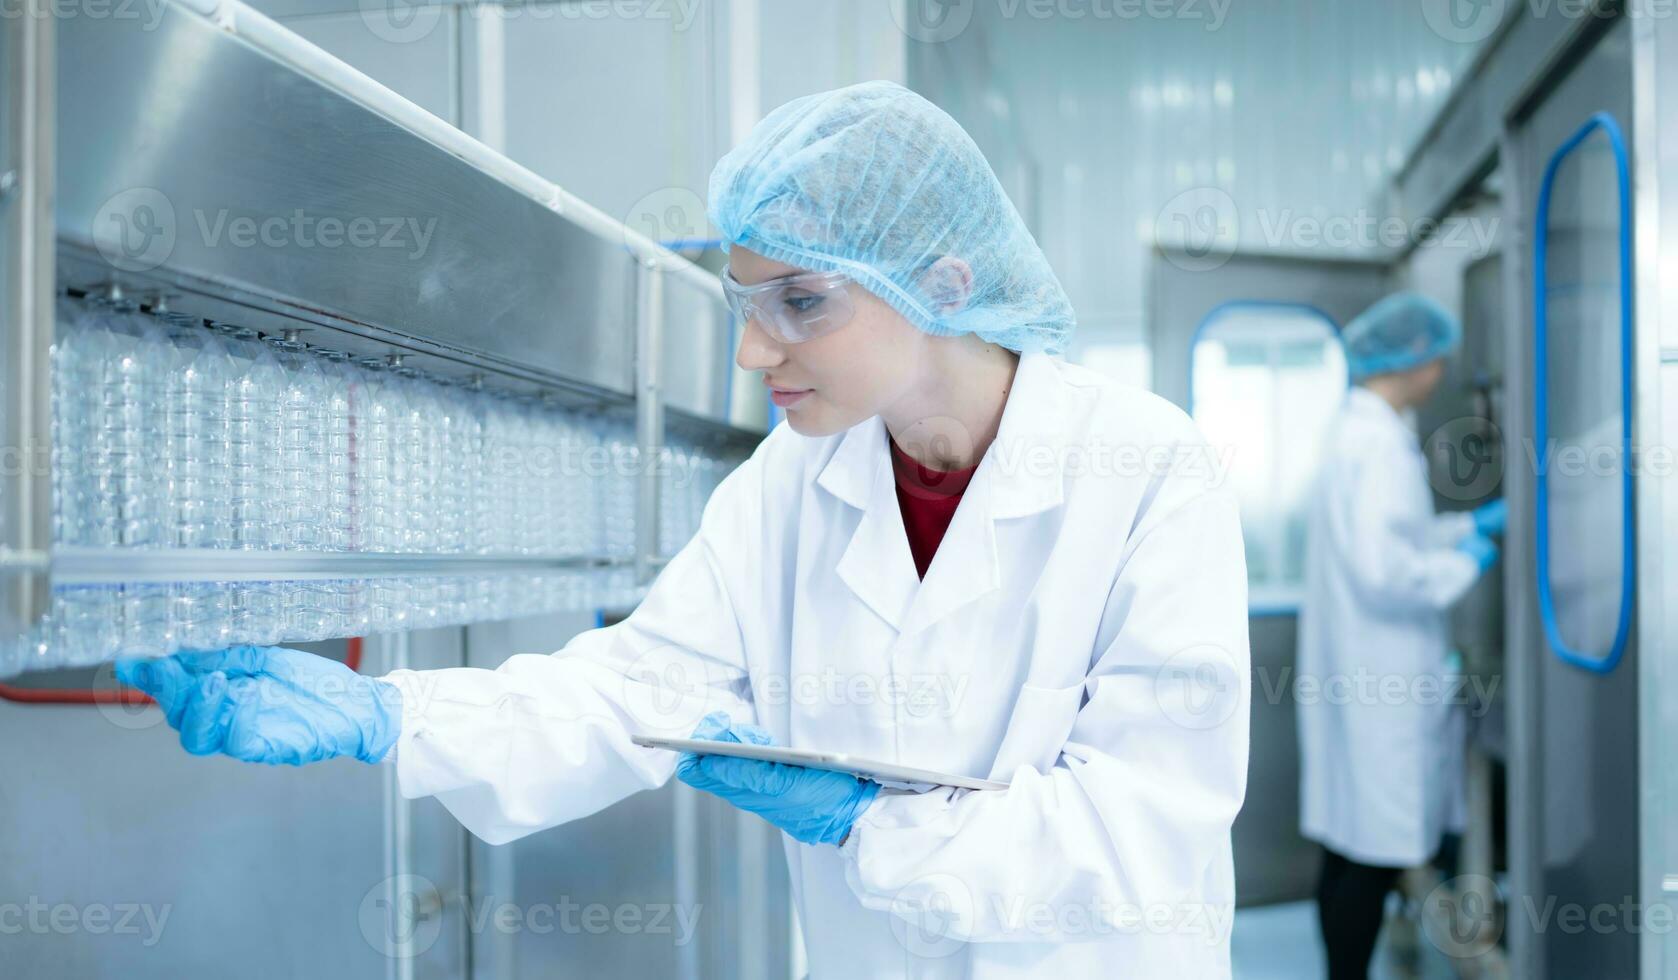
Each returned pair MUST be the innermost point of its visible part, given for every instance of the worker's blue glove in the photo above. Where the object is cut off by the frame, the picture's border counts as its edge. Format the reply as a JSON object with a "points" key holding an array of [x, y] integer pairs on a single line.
{"points": [[269, 704], [1480, 548], [812, 805], [1491, 518]]}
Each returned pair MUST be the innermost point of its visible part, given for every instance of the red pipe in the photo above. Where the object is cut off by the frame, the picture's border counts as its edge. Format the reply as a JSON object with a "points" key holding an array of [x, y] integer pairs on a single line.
{"points": [[52, 695]]}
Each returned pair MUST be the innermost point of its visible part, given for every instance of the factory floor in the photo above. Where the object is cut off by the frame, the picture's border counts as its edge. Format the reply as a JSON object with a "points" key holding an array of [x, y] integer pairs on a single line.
{"points": [[1281, 942]]}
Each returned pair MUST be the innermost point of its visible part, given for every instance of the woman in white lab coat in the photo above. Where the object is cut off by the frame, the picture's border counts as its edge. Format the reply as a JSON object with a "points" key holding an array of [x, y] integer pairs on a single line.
{"points": [[1080, 629], [1378, 748]]}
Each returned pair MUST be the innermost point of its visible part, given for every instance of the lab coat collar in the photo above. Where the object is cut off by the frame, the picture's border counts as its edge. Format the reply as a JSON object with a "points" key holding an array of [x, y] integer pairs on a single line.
{"points": [[1367, 403], [1021, 474]]}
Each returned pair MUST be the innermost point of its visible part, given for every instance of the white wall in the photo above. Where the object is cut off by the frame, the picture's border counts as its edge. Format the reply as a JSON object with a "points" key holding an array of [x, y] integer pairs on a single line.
{"points": [[1261, 122]]}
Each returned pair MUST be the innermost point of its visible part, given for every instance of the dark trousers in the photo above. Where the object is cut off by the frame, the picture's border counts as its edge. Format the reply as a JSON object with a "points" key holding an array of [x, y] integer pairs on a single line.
{"points": [[1350, 901]]}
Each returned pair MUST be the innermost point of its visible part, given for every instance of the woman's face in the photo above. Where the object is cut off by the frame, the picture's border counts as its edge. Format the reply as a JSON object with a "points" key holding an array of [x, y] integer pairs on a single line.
{"points": [[831, 383]]}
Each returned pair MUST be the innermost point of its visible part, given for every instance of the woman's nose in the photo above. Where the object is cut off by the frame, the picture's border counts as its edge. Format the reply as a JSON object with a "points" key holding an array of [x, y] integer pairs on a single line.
{"points": [[758, 351]]}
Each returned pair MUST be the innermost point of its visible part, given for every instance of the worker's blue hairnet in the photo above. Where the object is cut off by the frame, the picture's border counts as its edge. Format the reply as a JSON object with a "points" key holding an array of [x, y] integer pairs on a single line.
{"points": [[1403, 331], [877, 182]]}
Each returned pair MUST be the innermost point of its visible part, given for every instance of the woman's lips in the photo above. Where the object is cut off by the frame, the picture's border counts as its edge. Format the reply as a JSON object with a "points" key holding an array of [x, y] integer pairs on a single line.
{"points": [[784, 398]]}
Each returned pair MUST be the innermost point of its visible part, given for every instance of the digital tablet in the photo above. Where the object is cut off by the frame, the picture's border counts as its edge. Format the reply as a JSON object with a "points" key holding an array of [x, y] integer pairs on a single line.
{"points": [[884, 773]]}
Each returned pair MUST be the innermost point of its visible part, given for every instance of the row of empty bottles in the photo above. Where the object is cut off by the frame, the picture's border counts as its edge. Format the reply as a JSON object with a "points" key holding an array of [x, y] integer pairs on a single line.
{"points": [[171, 432], [174, 432], [89, 624]]}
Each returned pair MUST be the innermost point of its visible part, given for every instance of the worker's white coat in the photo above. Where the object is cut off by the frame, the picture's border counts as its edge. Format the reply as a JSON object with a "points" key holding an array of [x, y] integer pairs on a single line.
{"points": [[1082, 631], [1378, 717]]}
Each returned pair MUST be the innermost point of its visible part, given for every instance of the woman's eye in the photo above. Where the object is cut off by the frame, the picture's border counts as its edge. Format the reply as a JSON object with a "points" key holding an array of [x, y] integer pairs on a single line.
{"points": [[803, 304]]}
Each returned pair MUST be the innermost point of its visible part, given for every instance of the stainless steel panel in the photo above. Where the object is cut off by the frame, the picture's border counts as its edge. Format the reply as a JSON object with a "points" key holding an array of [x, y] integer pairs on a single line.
{"points": [[1573, 753], [701, 891], [175, 866], [27, 53], [1460, 147], [1655, 160], [1272, 862], [698, 341], [195, 155]]}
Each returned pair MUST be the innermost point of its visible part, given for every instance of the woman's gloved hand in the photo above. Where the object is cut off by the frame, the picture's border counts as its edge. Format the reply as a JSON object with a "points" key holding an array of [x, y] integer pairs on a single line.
{"points": [[269, 704], [1491, 518], [1480, 548], [812, 805]]}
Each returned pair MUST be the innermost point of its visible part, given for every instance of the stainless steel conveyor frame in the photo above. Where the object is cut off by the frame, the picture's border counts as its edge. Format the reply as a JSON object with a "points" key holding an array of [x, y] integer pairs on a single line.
{"points": [[217, 110]]}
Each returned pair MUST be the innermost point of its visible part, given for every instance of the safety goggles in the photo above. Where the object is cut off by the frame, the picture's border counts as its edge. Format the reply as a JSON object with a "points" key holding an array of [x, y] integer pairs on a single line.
{"points": [[795, 308]]}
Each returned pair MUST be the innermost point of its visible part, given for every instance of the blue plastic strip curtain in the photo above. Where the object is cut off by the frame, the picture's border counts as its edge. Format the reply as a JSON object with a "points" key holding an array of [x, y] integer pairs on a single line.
{"points": [[1603, 663], [1262, 610]]}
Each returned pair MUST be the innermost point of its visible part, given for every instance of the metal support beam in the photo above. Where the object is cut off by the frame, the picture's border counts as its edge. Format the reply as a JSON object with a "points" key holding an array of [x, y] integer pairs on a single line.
{"points": [[649, 415], [26, 254]]}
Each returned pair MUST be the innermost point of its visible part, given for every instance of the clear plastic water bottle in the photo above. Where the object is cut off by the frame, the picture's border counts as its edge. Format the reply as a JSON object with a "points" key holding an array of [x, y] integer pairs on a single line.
{"points": [[340, 424], [198, 491], [251, 405], [304, 479], [381, 472], [477, 503], [380, 466], [124, 478], [254, 437], [76, 378], [418, 447]]}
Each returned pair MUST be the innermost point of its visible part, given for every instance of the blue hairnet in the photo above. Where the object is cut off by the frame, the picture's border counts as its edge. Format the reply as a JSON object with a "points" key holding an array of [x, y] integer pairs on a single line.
{"points": [[1403, 331], [877, 182]]}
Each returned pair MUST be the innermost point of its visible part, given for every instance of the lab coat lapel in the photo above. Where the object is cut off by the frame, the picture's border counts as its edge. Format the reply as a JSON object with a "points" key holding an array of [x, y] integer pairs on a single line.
{"points": [[1020, 476], [876, 565]]}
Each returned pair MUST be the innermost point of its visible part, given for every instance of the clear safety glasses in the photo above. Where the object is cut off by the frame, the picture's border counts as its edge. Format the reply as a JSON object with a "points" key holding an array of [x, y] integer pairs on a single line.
{"points": [[795, 308]]}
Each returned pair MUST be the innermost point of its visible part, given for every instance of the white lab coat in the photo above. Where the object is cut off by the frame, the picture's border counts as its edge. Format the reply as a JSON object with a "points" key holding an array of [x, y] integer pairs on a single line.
{"points": [[1082, 633], [1379, 731]]}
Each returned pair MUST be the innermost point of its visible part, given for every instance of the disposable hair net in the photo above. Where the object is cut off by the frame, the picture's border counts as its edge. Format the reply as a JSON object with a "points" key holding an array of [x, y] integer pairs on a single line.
{"points": [[1403, 331], [876, 182]]}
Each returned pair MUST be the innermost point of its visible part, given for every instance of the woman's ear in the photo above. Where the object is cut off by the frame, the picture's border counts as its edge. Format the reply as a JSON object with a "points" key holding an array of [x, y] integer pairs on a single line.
{"points": [[948, 283]]}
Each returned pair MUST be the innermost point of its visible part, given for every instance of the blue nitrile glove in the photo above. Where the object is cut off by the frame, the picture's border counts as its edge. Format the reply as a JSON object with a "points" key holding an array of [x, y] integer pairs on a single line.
{"points": [[812, 805], [1491, 518], [1480, 548], [270, 704]]}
